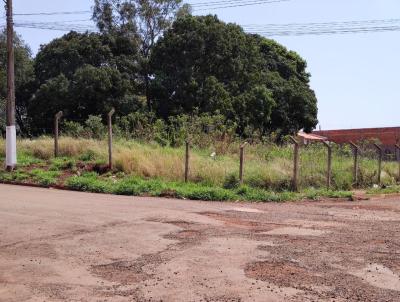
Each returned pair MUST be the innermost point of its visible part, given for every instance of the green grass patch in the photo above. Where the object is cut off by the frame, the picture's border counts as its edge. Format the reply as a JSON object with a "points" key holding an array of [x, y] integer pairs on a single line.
{"points": [[387, 190], [26, 159], [134, 186], [16, 176], [62, 163], [44, 178], [89, 182]]}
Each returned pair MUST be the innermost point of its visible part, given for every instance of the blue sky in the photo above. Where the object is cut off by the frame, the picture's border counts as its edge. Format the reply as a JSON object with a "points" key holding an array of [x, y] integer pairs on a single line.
{"points": [[356, 77]]}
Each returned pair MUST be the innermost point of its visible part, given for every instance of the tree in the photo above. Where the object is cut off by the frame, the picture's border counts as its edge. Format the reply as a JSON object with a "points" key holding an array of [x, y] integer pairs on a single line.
{"points": [[24, 76], [50, 98], [143, 21], [82, 75], [286, 76], [2, 116], [70, 52], [204, 64]]}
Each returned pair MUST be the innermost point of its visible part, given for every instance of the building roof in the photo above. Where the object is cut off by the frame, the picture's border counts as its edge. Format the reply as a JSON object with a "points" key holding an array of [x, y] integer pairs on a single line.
{"points": [[386, 136], [311, 136]]}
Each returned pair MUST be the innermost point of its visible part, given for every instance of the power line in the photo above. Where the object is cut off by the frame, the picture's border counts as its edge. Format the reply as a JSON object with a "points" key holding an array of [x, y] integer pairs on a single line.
{"points": [[323, 24], [234, 5], [201, 5], [57, 27], [55, 13], [288, 29], [301, 29]]}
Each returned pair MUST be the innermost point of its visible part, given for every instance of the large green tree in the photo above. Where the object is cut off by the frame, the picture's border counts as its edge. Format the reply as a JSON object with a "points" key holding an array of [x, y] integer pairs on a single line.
{"points": [[23, 77], [204, 64], [82, 75], [284, 73], [143, 21]]}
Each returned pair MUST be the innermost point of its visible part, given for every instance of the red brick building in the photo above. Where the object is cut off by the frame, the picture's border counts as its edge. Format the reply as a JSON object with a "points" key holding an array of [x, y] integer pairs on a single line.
{"points": [[388, 137]]}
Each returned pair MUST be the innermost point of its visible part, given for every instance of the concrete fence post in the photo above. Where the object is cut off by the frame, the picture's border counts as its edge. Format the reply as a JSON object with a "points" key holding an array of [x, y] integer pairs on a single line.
{"points": [[241, 167], [329, 166], [295, 180], [380, 157], [187, 158], [356, 151], [57, 118], [397, 147], [110, 138]]}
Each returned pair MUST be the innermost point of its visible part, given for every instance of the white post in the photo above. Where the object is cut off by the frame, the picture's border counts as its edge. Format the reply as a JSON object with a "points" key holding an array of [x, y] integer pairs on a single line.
{"points": [[11, 147]]}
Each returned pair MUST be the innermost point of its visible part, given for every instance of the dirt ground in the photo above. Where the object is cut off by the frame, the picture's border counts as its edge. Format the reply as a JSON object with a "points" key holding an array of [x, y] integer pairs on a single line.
{"points": [[69, 246]]}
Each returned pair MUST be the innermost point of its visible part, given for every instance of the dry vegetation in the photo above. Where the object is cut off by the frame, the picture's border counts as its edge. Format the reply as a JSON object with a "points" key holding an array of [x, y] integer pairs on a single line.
{"points": [[268, 167]]}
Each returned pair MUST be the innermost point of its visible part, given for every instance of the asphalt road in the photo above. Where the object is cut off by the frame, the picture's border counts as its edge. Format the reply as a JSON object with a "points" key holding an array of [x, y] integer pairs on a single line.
{"points": [[70, 246]]}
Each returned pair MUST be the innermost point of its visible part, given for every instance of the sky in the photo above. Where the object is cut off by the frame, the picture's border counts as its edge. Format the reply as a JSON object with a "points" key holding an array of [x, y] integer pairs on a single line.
{"points": [[356, 77]]}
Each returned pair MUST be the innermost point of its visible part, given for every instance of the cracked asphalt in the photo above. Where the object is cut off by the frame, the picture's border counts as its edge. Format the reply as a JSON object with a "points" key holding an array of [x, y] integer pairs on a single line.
{"points": [[71, 246]]}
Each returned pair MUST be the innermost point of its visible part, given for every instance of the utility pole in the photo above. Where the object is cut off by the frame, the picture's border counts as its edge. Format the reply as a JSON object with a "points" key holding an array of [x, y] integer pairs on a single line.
{"points": [[11, 133]]}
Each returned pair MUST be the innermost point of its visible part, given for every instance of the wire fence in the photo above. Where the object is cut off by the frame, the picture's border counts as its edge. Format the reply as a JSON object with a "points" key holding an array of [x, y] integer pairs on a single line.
{"points": [[292, 166]]}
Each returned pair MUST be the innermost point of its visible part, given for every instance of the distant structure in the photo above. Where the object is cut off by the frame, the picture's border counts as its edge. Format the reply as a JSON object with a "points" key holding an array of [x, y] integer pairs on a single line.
{"points": [[306, 138], [387, 137]]}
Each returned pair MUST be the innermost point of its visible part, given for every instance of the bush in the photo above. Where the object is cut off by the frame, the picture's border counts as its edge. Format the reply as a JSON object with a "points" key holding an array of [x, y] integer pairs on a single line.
{"points": [[231, 181], [73, 129], [95, 127]]}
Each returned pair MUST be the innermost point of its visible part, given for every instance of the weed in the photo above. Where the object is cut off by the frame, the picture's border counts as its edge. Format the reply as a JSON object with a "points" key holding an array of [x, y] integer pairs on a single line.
{"points": [[89, 182], [44, 178], [63, 163], [386, 190]]}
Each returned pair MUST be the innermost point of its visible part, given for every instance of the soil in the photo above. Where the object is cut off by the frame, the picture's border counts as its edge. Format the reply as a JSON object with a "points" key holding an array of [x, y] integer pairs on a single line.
{"points": [[71, 246]]}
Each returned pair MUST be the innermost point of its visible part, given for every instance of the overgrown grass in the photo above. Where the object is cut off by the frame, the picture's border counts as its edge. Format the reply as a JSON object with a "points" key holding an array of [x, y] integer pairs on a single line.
{"points": [[268, 168], [37, 176], [135, 186], [44, 178], [387, 190]]}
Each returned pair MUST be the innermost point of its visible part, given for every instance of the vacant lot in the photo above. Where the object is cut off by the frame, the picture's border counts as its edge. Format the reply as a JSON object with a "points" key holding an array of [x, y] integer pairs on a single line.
{"points": [[68, 246]]}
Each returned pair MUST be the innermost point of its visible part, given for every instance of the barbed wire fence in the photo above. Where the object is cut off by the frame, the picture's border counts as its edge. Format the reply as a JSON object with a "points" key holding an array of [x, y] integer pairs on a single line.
{"points": [[301, 165]]}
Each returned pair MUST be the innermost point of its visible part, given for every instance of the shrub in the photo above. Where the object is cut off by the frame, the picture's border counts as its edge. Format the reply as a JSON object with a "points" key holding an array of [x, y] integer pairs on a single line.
{"points": [[231, 181], [73, 129], [94, 125]]}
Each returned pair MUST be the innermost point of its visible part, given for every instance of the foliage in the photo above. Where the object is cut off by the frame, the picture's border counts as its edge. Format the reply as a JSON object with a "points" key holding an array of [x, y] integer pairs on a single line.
{"points": [[24, 76], [95, 126], [267, 166], [202, 79], [44, 178], [142, 21], [62, 163], [250, 80], [91, 182], [385, 190], [2, 116], [82, 75]]}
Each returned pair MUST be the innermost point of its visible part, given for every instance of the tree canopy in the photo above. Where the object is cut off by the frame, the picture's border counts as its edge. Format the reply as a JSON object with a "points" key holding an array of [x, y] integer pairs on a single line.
{"points": [[155, 53], [82, 75], [23, 76], [203, 63], [143, 21]]}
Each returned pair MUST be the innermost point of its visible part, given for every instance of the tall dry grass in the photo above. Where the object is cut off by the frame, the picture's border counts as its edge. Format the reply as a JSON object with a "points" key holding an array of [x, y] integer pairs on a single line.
{"points": [[268, 166]]}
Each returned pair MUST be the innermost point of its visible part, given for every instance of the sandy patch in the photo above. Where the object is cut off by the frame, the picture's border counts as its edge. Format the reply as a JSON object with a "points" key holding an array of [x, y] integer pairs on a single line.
{"points": [[247, 210], [379, 276], [365, 215], [294, 231], [314, 223]]}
